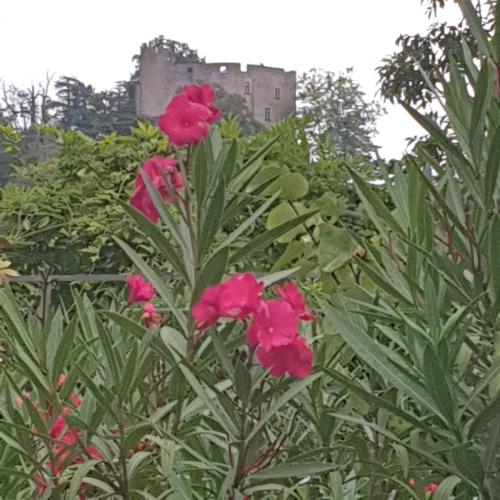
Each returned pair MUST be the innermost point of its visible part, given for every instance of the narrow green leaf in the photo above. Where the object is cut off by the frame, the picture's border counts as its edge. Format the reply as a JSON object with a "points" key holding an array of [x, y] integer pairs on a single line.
{"points": [[294, 389], [371, 353], [492, 168], [370, 199], [218, 413], [469, 464], [484, 92], [160, 241], [78, 478], [250, 221], [268, 237], [446, 487], [211, 219], [293, 470], [476, 26], [212, 272], [437, 383]]}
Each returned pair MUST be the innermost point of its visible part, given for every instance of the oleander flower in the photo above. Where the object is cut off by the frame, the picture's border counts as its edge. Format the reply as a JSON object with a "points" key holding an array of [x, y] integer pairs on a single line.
{"points": [[165, 177], [294, 358], [185, 122], [274, 324], [291, 294], [203, 94], [236, 298], [139, 290], [150, 316], [240, 296], [206, 311]]}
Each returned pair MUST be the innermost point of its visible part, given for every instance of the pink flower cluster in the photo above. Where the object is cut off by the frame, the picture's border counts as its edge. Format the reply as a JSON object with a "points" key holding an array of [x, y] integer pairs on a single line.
{"points": [[189, 115], [140, 291], [186, 120], [273, 327], [62, 437], [165, 177]]}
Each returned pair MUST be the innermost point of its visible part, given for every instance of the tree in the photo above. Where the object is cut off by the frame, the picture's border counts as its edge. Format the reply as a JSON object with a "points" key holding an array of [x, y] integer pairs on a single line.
{"points": [[338, 112], [25, 108], [411, 75], [81, 108]]}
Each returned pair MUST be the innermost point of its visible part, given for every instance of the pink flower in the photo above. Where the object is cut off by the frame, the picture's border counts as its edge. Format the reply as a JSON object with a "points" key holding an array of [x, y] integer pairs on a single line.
{"points": [[411, 483], [274, 324], [165, 178], [240, 296], [57, 427], [150, 317], [41, 484], [139, 290], [431, 488], [93, 452], [294, 297], [236, 298], [185, 122], [206, 311], [203, 94], [294, 358]]}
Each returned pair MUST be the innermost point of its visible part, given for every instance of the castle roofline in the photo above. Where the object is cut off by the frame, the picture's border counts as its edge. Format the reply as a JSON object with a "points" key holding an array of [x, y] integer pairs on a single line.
{"points": [[233, 65]]}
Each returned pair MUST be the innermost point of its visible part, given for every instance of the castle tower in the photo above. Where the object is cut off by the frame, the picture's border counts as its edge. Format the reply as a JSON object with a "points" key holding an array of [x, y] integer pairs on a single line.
{"points": [[268, 92]]}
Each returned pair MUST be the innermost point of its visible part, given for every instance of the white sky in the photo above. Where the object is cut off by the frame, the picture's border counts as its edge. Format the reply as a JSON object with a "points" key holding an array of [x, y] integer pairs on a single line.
{"points": [[95, 40]]}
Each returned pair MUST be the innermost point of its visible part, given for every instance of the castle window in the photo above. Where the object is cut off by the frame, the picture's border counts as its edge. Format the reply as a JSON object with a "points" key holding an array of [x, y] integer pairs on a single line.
{"points": [[277, 93], [223, 70], [267, 114], [247, 87], [190, 74]]}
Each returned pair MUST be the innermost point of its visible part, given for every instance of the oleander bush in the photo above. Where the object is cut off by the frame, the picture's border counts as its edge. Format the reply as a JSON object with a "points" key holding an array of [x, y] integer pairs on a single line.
{"points": [[289, 329]]}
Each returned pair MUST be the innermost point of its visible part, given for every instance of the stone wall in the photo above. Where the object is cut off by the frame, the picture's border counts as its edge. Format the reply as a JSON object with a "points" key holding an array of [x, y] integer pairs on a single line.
{"points": [[268, 92]]}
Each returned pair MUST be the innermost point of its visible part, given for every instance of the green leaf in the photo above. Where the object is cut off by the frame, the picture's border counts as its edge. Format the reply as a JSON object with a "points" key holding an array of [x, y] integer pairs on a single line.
{"points": [[372, 354], [446, 487], [469, 464], [377, 401], [211, 273], [484, 92], [282, 213], [81, 473], [242, 382], [165, 215], [160, 241], [249, 222], [211, 219], [374, 204], [491, 411], [264, 239], [455, 156], [494, 259], [336, 247], [331, 205], [293, 470], [63, 349], [294, 389], [217, 411], [251, 166], [476, 26], [293, 186], [492, 168], [437, 383]]}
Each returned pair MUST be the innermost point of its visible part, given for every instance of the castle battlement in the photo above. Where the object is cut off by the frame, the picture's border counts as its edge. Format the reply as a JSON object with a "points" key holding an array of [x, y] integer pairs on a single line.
{"points": [[269, 92]]}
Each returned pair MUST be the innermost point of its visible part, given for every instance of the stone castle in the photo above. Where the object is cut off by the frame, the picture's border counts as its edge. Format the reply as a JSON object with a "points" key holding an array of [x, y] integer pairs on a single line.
{"points": [[269, 93]]}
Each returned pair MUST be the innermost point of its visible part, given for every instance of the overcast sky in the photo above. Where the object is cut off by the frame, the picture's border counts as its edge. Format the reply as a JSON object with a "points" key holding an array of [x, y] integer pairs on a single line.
{"points": [[94, 40]]}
